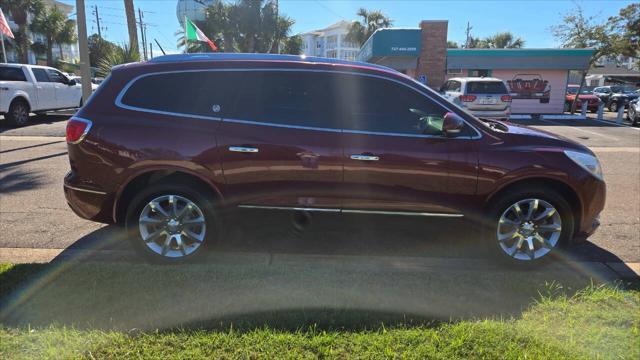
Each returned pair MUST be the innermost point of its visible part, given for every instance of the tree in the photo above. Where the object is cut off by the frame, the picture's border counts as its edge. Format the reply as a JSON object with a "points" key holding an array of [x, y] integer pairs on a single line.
{"points": [[121, 55], [452, 44], [66, 36], [99, 48], [579, 31], [293, 45], [49, 22], [20, 10], [360, 31], [627, 24], [504, 40]]}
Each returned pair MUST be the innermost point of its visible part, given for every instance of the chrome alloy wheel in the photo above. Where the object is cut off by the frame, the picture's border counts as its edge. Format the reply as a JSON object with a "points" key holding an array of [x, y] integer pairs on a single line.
{"points": [[529, 229], [172, 226]]}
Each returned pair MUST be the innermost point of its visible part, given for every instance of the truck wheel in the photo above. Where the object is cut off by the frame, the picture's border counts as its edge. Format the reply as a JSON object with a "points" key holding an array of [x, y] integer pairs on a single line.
{"points": [[18, 114]]}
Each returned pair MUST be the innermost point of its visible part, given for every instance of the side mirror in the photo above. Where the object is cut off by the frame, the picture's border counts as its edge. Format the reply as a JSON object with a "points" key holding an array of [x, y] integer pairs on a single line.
{"points": [[72, 82], [452, 124]]}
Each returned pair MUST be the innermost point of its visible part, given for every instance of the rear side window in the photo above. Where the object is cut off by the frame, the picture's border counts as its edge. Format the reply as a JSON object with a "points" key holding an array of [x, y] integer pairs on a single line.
{"points": [[382, 106], [486, 87], [204, 93], [10, 73], [454, 86], [293, 98], [41, 75]]}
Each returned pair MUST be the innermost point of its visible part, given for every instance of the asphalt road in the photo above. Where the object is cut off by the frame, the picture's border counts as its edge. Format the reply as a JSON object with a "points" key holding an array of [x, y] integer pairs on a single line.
{"points": [[34, 214]]}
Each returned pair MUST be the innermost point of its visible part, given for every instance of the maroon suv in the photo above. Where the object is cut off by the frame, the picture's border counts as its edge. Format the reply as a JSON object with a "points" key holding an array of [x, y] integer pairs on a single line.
{"points": [[164, 146]]}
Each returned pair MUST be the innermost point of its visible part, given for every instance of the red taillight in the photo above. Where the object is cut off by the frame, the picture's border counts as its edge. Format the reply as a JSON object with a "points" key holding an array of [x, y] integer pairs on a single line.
{"points": [[467, 98], [77, 129], [505, 98]]}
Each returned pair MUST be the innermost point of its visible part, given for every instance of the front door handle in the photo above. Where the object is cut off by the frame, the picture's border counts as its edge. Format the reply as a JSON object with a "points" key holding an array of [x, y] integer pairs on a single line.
{"points": [[243, 149], [364, 157]]}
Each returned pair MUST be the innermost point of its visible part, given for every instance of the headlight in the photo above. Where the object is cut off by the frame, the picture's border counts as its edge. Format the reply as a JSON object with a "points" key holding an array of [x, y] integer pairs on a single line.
{"points": [[587, 162]]}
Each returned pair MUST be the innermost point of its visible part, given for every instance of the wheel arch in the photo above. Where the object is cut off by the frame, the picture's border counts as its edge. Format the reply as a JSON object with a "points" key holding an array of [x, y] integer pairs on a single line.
{"points": [[154, 176], [564, 189], [20, 96]]}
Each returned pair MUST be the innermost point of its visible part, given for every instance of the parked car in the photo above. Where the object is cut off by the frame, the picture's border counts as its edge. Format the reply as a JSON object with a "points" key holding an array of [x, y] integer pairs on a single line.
{"points": [[614, 95], [634, 111], [32, 88], [287, 133], [586, 94], [482, 96]]}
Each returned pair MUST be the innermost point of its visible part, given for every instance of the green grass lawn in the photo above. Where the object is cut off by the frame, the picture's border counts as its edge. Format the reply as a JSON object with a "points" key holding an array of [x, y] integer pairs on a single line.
{"points": [[596, 322]]}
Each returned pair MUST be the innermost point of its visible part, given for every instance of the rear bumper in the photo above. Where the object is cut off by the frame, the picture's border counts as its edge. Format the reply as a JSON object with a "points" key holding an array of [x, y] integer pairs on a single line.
{"points": [[491, 113], [88, 203]]}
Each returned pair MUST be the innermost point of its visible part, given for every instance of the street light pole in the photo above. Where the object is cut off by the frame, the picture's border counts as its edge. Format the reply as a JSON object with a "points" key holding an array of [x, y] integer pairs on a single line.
{"points": [[85, 72]]}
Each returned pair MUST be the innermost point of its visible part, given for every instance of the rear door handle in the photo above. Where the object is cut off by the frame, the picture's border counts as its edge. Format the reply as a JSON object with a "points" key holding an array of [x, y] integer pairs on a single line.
{"points": [[365, 157], [243, 149]]}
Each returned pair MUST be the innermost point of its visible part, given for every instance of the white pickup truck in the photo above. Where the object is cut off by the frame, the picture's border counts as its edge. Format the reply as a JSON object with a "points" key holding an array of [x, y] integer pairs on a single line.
{"points": [[28, 89]]}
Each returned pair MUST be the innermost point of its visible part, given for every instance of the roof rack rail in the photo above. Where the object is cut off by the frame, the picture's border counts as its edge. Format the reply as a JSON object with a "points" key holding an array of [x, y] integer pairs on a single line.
{"points": [[274, 57]]}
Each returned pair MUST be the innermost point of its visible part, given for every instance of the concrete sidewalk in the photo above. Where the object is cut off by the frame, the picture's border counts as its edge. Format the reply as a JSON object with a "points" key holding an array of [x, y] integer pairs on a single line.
{"points": [[607, 271]]}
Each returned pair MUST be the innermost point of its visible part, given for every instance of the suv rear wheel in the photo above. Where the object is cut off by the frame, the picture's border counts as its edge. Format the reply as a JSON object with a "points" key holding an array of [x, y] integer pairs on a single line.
{"points": [[171, 223], [528, 225], [18, 114]]}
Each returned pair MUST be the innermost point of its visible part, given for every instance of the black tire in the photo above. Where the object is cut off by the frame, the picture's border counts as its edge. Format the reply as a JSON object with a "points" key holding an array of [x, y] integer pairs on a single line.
{"points": [[18, 114], [567, 107], [503, 202], [198, 196]]}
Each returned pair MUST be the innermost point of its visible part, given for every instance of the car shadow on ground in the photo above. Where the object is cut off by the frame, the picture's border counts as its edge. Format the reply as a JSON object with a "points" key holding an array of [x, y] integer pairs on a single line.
{"points": [[346, 272], [34, 119]]}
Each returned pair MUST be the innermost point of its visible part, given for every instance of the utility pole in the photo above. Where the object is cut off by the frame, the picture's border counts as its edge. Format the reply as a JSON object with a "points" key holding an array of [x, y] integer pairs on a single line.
{"points": [[85, 72], [150, 50], [131, 24], [98, 21], [468, 41], [142, 35], [161, 49]]}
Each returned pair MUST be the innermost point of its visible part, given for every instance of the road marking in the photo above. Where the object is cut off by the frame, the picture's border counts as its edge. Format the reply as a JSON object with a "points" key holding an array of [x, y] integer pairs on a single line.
{"points": [[582, 130], [31, 138]]}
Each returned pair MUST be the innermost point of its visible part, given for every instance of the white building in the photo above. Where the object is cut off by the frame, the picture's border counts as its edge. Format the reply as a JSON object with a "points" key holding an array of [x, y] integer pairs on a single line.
{"points": [[70, 52], [330, 42], [626, 62]]}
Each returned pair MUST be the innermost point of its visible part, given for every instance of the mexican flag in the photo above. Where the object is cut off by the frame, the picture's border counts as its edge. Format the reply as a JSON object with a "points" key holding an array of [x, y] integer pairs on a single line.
{"points": [[192, 33]]}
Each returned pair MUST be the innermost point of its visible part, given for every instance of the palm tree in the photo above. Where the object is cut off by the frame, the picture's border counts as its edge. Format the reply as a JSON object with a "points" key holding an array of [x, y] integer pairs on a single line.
{"points": [[121, 55], [66, 36], [220, 24], [20, 10], [504, 40], [49, 22], [371, 21]]}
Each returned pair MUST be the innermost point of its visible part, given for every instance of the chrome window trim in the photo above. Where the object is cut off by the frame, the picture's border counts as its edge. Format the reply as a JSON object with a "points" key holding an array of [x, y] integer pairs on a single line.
{"points": [[350, 211], [85, 190], [86, 129], [121, 94]]}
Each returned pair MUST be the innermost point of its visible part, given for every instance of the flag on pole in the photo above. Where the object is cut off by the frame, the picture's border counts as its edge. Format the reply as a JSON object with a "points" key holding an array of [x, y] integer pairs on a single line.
{"points": [[4, 26], [192, 33]]}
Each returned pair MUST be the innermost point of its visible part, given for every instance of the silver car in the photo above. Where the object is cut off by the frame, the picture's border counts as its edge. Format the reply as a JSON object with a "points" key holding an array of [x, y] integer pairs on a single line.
{"points": [[482, 96]]}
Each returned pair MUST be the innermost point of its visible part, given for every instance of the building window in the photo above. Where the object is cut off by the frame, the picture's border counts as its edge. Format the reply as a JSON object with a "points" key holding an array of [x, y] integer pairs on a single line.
{"points": [[349, 54], [332, 42], [332, 53], [454, 71]]}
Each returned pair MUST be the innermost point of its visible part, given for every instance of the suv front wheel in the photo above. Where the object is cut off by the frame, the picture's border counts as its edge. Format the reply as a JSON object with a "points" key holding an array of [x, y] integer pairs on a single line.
{"points": [[529, 225], [170, 223]]}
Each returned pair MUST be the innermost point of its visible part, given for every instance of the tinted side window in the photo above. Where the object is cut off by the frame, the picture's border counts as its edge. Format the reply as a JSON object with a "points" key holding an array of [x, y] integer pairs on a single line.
{"points": [[10, 73], [454, 86], [57, 76], [41, 75], [193, 93], [378, 105], [294, 98]]}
